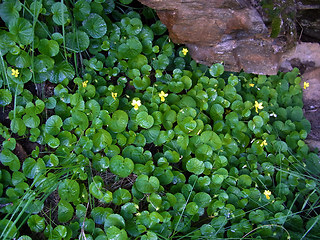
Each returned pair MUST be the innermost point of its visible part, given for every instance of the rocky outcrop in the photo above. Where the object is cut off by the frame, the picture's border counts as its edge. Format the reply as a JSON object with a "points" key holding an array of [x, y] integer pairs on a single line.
{"points": [[229, 31]]}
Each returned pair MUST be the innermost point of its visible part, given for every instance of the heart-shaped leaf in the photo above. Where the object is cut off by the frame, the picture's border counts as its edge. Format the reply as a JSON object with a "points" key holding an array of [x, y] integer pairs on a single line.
{"points": [[119, 121], [144, 120], [32, 168], [120, 166], [36, 223], [7, 158], [147, 185]]}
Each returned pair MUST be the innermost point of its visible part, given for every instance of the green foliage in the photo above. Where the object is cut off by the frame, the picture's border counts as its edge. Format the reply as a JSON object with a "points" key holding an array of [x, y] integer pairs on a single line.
{"points": [[126, 137]]}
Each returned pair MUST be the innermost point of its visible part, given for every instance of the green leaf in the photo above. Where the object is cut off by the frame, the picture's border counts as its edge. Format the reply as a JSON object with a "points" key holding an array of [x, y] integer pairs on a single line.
{"points": [[95, 188], [212, 139], [134, 27], [22, 60], [9, 144], [60, 13], [158, 28], [32, 168], [36, 223], [147, 185], [48, 47], [11, 229], [119, 121], [120, 166], [144, 120], [115, 233], [43, 63], [192, 208], [59, 232], [126, 1], [7, 158], [53, 125], [95, 26], [22, 30], [81, 10], [161, 63], [244, 181], [5, 97], [183, 141], [9, 10], [121, 196], [195, 166], [81, 119], [257, 216], [114, 220], [31, 121], [65, 211], [130, 49], [60, 72], [216, 70], [202, 199], [77, 41], [69, 190], [17, 126], [101, 140]]}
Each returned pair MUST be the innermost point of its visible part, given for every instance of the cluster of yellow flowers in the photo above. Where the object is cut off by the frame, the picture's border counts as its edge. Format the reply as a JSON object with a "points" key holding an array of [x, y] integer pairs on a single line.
{"points": [[136, 103]]}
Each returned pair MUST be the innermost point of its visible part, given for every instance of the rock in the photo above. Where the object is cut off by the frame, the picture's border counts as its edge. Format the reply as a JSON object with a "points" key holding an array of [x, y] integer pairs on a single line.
{"points": [[311, 101], [305, 56], [231, 31]]}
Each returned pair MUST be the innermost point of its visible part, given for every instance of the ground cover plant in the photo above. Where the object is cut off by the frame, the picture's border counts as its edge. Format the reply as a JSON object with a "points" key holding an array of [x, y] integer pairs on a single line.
{"points": [[110, 131]]}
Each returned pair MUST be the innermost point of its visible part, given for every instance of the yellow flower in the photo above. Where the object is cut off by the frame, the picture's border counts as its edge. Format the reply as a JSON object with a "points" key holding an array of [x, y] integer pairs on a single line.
{"points": [[114, 95], [85, 84], [185, 51], [136, 104], [15, 72], [251, 84], [263, 143], [162, 96], [258, 106], [267, 193], [305, 85]]}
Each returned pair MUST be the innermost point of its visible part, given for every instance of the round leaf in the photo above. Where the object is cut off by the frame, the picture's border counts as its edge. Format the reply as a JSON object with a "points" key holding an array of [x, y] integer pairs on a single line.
{"points": [[65, 211], [77, 41], [53, 125], [216, 70], [144, 120], [48, 47], [5, 97], [119, 121], [22, 30], [36, 223], [120, 166], [195, 166], [114, 220], [147, 185], [69, 190], [95, 25], [60, 13], [101, 140]]}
